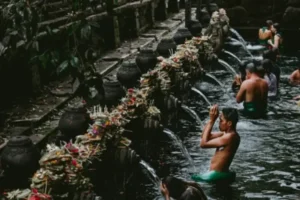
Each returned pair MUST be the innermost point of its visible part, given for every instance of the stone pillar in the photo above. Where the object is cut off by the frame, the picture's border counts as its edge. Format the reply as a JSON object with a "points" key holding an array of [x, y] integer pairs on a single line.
{"points": [[188, 8], [116, 31], [199, 3], [161, 12], [153, 4], [137, 21]]}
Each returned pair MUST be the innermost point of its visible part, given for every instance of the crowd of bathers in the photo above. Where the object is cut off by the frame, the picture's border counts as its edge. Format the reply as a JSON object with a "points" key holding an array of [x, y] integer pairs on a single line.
{"points": [[257, 82]]}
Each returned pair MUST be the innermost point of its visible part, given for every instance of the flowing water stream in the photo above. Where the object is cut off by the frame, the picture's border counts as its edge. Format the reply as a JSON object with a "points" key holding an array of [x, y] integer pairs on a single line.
{"points": [[267, 162]]}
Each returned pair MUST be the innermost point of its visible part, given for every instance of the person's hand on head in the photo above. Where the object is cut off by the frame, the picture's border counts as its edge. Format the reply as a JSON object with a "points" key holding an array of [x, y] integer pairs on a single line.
{"points": [[164, 190], [214, 113]]}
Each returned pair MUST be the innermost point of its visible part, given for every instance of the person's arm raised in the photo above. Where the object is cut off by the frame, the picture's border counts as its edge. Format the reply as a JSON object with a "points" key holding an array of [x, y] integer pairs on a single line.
{"points": [[217, 142], [240, 97], [207, 135], [276, 41]]}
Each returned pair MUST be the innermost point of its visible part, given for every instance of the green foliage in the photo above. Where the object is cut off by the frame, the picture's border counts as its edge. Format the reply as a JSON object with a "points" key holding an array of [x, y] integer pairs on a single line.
{"points": [[19, 33]]}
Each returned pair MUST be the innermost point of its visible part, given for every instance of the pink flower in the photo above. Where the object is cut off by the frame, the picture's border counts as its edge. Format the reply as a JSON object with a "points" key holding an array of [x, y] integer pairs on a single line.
{"points": [[74, 163]]}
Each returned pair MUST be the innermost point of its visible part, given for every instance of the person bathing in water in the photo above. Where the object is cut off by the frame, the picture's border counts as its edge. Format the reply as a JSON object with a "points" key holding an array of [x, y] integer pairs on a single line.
{"points": [[276, 40], [226, 143], [270, 78], [181, 190], [265, 33], [295, 76], [254, 93], [272, 56]]}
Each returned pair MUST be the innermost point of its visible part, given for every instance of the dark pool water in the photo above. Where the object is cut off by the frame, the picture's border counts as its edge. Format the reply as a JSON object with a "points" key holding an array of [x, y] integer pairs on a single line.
{"points": [[267, 162]]}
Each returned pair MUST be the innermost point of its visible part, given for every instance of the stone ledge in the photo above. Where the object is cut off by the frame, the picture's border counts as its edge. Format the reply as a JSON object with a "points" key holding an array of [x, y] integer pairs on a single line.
{"points": [[169, 24], [105, 67], [127, 49], [157, 34]]}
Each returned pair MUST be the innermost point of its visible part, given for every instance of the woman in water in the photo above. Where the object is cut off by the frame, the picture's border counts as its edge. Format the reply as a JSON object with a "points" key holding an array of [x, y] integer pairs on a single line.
{"points": [[276, 41], [265, 33], [181, 190], [272, 55], [270, 78]]}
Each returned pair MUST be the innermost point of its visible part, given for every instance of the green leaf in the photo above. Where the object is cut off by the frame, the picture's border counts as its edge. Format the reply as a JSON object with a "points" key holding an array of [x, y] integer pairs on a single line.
{"points": [[63, 66], [74, 61]]}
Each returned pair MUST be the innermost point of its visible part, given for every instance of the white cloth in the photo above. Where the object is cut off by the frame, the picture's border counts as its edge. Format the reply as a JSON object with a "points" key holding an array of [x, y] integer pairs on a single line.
{"points": [[272, 83]]}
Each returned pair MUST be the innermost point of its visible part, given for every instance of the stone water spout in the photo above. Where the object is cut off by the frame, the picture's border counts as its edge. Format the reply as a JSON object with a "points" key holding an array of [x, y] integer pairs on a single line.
{"points": [[227, 67], [183, 149], [232, 55]]}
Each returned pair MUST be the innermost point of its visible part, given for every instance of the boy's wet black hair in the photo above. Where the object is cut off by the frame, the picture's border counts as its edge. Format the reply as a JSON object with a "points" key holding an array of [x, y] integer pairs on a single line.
{"points": [[231, 114]]}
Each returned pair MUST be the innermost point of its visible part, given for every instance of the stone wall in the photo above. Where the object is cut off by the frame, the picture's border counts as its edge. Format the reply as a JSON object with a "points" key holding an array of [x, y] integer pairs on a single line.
{"points": [[115, 22], [256, 12]]}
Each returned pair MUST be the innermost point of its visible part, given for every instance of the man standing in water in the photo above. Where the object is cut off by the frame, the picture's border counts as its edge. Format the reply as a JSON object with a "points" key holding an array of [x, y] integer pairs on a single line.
{"points": [[254, 93], [226, 143]]}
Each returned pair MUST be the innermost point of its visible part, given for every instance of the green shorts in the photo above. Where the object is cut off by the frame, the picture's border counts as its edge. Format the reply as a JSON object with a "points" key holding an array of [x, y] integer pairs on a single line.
{"points": [[214, 176]]}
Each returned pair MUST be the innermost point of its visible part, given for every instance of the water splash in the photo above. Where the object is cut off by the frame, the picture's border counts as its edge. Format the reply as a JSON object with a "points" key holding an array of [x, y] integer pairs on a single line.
{"points": [[255, 47], [239, 37], [241, 40], [182, 147], [234, 40], [192, 113], [232, 55], [227, 66], [212, 77], [202, 95], [154, 178]]}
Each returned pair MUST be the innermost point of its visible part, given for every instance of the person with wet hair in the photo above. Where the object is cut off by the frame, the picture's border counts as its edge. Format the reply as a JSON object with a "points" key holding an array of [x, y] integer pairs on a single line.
{"points": [[254, 93], [272, 56], [181, 190], [276, 40], [270, 78], [226, 143], [265, 33]]}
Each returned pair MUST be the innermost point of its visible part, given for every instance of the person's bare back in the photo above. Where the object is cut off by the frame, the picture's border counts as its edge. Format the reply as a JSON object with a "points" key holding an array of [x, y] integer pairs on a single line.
{"points": [[256, 90], [254, 93], [224, 155], [295, 77]]}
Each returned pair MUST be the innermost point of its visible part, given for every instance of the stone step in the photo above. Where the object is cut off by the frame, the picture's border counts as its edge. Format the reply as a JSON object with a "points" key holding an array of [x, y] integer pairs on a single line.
{"points": [[106, 66], [127, 48]]}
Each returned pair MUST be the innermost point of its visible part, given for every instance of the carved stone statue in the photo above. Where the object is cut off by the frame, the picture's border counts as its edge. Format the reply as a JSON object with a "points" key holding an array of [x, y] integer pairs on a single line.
{"points": [[215, 31], [224, 21]]}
